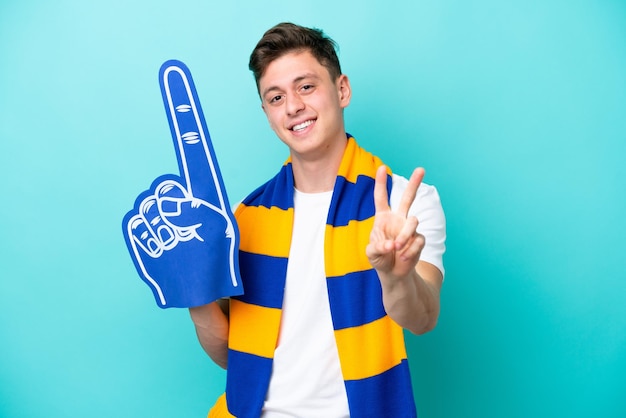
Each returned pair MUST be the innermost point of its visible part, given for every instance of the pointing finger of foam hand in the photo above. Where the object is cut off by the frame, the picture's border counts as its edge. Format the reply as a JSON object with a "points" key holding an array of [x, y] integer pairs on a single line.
{"points": [[381, 197], [196, 158], [411, 191]]}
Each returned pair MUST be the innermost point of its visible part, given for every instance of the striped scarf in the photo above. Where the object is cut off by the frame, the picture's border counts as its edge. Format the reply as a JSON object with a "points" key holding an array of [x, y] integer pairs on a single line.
{"points": [[371, 346]]}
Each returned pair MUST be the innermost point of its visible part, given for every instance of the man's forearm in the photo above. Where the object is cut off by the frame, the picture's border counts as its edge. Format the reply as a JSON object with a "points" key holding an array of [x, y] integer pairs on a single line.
{"points": [[413, 301], [211, 322]]}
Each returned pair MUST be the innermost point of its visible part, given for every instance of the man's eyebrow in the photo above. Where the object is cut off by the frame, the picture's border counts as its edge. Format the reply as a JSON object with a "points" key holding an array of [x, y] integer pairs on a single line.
{"points": [[304, 77], [267, 90], [295, 81]]}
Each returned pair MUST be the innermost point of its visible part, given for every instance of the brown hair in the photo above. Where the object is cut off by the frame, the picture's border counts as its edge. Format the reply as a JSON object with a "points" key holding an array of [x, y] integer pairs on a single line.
{"points": [[288, 37]]}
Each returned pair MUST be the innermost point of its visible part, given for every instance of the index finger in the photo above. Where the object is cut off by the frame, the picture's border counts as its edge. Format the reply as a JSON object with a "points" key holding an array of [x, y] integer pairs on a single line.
{"points": [[194, 150], [381, 190]]}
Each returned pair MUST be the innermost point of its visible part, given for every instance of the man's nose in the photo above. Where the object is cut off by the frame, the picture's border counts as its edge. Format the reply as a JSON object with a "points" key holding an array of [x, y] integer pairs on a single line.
{"points": [[294, 104]]}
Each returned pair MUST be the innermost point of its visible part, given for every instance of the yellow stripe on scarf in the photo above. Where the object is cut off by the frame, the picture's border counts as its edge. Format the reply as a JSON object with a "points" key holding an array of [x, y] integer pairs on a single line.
{"points": [[383, 340], [358, 162], [273, 234], [344, 239], [220, 409], [252, 336]]}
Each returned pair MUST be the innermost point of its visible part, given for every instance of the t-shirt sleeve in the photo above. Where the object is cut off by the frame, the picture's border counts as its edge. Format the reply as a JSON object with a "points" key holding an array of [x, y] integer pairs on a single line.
{"points": [[432, 221]]}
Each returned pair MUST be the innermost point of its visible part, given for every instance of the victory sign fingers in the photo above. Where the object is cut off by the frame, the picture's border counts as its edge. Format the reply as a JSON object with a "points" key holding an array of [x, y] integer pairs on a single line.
{"points": [[394, 238]]}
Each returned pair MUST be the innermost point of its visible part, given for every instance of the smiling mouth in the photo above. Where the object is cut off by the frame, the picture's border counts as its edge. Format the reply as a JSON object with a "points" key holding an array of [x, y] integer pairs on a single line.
{"points": [[301, 126]]}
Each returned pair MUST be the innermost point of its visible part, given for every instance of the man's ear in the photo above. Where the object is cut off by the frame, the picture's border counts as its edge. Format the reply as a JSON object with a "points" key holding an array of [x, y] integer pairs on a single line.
{"points": [[344, 90]]}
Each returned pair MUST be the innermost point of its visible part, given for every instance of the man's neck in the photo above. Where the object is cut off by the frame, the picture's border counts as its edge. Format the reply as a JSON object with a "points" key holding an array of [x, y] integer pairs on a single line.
{"points": [[318, 175]]}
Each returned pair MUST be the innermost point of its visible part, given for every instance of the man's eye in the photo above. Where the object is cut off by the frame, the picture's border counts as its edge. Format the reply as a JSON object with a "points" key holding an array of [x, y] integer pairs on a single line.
{"points": [[275, 99], [307, 87]]}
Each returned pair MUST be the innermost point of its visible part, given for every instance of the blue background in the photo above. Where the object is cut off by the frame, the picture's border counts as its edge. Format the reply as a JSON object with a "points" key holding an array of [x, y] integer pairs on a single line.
{"points": [[516, 109]]}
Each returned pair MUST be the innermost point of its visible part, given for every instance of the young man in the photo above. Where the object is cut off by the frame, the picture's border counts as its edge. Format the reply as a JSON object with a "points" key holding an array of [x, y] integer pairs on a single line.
{"points": [[333, 258]]}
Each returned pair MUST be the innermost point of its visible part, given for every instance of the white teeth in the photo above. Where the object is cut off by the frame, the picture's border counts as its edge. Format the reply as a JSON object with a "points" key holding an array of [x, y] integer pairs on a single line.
{"points": [[302, 125]]}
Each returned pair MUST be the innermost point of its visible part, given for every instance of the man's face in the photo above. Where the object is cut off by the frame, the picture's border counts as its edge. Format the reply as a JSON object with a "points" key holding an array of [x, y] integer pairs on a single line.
{"points": [[304, 106]]}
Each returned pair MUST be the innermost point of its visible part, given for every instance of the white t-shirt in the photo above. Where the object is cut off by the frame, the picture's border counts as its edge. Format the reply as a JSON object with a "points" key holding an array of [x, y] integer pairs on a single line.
{"points": [[306, 376]]}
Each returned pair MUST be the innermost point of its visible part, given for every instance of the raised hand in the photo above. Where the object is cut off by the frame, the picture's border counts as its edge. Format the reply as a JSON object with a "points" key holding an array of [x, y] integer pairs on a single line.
{"points": [[181, 234], [395, 246]]}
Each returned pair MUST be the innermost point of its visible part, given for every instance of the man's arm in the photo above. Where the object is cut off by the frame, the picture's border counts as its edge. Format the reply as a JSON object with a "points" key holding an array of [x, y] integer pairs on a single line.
{"points": [[413, 301], [211, 322], [410, 287]]}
